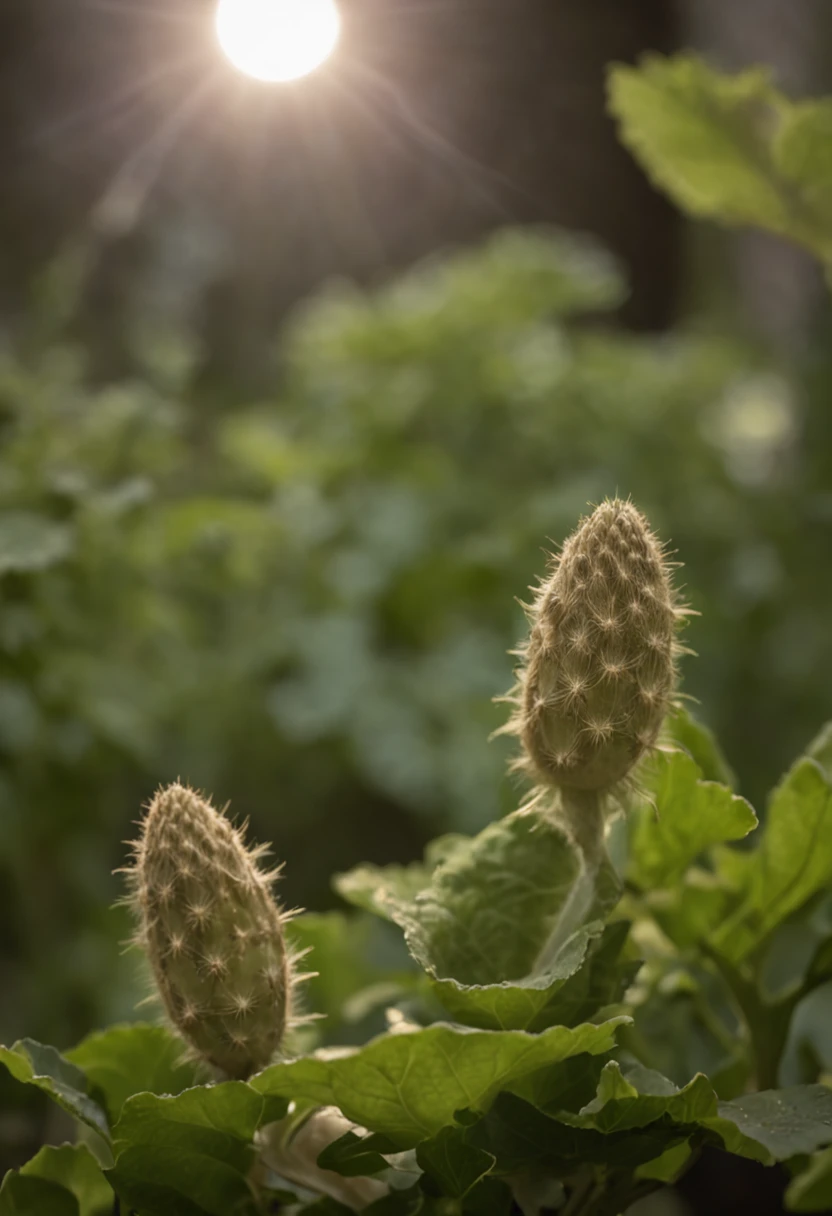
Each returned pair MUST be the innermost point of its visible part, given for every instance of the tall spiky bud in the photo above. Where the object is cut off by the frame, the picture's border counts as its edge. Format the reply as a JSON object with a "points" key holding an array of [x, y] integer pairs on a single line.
{"points": [[212, 932], [599, 668]]}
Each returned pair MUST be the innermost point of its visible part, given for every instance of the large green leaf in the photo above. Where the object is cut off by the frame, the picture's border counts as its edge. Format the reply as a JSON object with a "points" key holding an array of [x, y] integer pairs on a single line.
{"points": [[688, 816], [74, 1167], [621, 1105], [23, 1196], [457, 1166], [127, 1060], [408, 1086], [776, 1124], [44, 1067], [520, 1137], [493, 906], [585, 975], [190, 1154], [702, 136], [379, 889], [791, 864]]}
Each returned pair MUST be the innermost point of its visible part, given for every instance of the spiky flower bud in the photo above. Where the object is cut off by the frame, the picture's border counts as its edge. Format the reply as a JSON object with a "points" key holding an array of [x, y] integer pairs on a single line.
{"points": [[212, 932], [598, 671]]}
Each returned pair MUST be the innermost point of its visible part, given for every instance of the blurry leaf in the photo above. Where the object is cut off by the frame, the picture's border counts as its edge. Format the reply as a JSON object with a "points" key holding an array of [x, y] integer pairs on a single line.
{"points": [[455, 1165], [494, 904], [408, 1086], [792, 862], [701, 745], [23, 1196], [35, 1064], [191, 1154], [585, 975], [811, 1190], [776, 1124], [74, 1167], [802, 152], [820, 750], [30, 542], [703, 137], [621, 1105], [688, 817], [127, 1060]]}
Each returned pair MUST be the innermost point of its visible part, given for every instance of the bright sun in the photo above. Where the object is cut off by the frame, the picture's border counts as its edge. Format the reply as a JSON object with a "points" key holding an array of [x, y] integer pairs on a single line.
{"points": [[277, 40]]}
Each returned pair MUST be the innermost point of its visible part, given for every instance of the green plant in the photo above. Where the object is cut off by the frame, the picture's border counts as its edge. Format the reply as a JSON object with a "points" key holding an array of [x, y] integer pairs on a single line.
{"points": [[520, 1068]]}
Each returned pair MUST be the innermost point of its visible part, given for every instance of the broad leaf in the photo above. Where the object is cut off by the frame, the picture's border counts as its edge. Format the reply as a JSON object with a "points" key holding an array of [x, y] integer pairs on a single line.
{"points": [[521, 1138], [44, 1067], [702, 136], [493, 906], [776, 1124], [408, 1086], [378, 889], [23, 1196], [791, 864], [585, 975], [74, 1167], [191, 1154], [127, 1060], [621, 1105], [455, 1165], [689, 816]]}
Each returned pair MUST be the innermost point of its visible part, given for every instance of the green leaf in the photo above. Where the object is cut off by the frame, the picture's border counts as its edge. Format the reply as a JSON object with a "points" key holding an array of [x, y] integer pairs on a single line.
{"points": [[791, 864], [30, 542], [23, 1196], [585, 976], [777, 1123], [820, 750], [811, 1190], [379, 889], [802, 153], [191, 1154], [455, 1165], [34, 1064], [408, 1086], [75, 1168], [521, 1137], [621, 1105], [701, 745], [354, 1156], [703, 137], [126, 1060], [689, 817], [493, 905]]}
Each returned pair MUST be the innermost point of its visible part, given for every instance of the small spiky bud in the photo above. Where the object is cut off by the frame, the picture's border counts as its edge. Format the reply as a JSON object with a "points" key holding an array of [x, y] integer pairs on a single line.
{"points": [[212, 932], [599, 668]]}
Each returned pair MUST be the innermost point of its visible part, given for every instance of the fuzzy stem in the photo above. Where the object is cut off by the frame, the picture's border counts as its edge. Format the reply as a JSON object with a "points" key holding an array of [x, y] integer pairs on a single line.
{"points": [[581, 812]]}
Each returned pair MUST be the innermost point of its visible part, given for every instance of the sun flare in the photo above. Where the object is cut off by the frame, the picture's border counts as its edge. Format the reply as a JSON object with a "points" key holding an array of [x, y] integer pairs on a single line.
{"points": [[277, 40]]}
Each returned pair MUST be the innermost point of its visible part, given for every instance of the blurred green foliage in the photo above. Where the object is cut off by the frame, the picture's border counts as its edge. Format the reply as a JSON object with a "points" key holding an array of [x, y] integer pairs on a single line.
{"points": [[306, 602]]}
